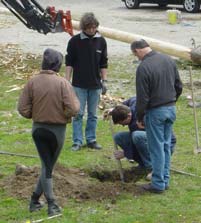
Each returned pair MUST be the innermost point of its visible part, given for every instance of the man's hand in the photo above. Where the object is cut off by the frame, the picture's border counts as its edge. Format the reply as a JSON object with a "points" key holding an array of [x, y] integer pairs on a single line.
{"points": [[69, 70], [140, 125], [119, 154], [104, 87]]}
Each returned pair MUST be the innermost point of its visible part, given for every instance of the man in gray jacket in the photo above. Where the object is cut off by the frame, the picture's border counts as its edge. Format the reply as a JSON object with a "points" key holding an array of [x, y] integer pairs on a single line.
{"points": [[158, 87]]}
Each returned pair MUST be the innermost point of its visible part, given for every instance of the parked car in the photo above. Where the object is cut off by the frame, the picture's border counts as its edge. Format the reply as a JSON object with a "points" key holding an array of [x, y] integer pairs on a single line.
{"points": [[189, 5]]}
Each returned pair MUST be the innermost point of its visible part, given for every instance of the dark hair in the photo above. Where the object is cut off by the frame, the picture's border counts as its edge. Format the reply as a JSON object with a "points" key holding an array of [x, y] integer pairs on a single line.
{"points": [[52, 60], [139, 44], [120, 113], [88, 20]]}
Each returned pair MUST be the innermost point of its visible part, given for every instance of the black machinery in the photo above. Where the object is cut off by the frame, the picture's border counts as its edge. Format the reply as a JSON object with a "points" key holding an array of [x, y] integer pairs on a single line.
{"points": [[35, 17]]}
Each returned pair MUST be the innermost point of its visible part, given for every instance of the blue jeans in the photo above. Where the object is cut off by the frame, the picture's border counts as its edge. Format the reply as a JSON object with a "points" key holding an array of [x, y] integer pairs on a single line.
{"points": [[159, 123], [135, 147], [140, 141], [89, 97]]}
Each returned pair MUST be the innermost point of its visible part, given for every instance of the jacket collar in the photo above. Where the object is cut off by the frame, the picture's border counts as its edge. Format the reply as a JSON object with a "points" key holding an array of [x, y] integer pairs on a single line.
{"points": [[83, 36], [48, 72], [149, 54]]}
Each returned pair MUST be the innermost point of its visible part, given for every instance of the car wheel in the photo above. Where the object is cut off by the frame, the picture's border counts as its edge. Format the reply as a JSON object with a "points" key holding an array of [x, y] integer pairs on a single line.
{"points": [[191, 5], [132, 4]]}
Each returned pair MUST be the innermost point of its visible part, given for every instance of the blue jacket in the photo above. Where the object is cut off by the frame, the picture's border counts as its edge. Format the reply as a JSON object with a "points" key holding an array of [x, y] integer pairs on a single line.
{"points": [[131, 103]]}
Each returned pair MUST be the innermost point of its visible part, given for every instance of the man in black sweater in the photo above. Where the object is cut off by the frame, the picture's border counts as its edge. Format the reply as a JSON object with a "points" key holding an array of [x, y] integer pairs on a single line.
{"points": [[87, 59], [158, 87]]}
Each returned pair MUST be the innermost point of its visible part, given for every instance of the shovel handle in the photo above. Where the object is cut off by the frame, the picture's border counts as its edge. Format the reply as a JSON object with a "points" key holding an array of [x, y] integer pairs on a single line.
{"points": [[119, 165]]}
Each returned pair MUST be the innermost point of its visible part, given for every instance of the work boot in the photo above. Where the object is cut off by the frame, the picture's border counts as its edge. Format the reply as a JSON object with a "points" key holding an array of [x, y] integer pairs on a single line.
{"points": [[151, 189], [53, 208], [35, 204], [94, 145], [75, 147]]}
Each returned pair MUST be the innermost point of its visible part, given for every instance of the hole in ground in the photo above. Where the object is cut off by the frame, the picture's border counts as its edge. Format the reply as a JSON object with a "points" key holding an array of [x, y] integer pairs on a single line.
{"points": [[72, 183], [130, 175]]}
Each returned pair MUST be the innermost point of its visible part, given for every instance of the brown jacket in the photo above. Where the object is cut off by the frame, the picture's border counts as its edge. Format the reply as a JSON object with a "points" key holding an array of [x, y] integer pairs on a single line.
{"points": [[48, 98]]}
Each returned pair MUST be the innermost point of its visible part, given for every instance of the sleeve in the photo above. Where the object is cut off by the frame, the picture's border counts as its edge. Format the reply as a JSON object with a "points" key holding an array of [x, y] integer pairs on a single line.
{"points": [[70, 100], [142, 91], [178, 84], [25, 102], [70, 55], [131, 102], [104, 56], [126, 102]]}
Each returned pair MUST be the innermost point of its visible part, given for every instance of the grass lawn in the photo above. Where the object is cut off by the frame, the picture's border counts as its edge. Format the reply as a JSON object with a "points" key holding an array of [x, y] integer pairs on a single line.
{"points": [[180, 204]]}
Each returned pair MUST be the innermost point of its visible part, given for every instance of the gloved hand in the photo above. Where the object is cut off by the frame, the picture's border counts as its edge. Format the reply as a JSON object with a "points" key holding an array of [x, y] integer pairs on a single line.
{"points": [[104, 87]]}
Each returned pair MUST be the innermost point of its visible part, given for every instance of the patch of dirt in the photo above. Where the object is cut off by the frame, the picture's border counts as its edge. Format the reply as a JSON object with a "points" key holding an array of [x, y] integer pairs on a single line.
{"points": [[14, 60], [72, 183]]}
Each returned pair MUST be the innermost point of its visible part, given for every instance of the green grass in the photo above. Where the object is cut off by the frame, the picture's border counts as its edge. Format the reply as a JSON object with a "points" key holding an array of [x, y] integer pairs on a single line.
{"points": [[180, 204]]}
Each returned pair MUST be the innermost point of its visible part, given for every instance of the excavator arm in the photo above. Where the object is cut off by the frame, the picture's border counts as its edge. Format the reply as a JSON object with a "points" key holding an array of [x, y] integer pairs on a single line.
{"points": [[35, 17]]}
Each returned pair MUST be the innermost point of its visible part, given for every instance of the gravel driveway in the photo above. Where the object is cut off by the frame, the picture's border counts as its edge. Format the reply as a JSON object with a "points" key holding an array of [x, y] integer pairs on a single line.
{"points": [[148, 20]]}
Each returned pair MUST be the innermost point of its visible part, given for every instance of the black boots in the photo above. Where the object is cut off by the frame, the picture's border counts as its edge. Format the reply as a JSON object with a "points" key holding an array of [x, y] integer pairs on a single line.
{"points": [[35, 204], [53, 208]]}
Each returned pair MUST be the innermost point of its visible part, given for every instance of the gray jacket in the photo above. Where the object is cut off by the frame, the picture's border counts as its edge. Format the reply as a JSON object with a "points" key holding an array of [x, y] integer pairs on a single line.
{"points": [[157, 83]]}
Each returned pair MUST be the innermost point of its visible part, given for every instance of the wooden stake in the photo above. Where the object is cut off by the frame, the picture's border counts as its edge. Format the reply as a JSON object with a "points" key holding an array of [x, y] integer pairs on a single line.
{"points": [[198, 149], [116, 148]]}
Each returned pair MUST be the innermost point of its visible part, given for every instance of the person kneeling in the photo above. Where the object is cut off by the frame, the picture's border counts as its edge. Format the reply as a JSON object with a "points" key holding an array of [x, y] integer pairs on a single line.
{"points": [[133, 142]]}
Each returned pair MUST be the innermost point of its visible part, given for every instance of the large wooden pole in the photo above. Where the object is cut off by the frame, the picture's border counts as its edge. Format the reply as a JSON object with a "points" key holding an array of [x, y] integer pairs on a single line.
{"points": [[161, 46]]}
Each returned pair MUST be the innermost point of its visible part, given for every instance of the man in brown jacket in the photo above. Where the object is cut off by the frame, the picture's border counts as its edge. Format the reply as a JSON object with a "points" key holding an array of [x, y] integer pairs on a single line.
{"points": [[49, 100]]}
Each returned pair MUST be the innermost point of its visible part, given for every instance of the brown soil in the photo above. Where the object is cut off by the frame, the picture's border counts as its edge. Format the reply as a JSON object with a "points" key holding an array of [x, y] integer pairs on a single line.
{"points": [[73, 183]]}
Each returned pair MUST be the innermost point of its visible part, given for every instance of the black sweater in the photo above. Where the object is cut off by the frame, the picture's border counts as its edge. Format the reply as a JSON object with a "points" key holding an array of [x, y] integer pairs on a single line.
{"points": [[157, 82], [87, 56]]}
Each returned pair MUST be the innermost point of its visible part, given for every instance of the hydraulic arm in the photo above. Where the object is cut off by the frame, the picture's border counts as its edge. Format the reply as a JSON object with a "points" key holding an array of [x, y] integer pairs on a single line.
{"points": [[35, 17]]}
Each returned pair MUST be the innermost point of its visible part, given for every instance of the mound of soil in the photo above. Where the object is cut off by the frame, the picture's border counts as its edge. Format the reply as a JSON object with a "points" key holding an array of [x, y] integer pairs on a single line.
{"points": [[72, 183]]}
